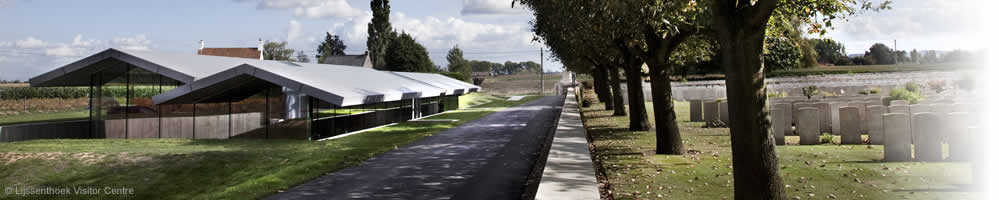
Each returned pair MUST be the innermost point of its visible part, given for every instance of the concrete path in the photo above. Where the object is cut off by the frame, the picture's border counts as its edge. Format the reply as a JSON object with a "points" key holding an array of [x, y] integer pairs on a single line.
{"points": [[569, 172], [488, 158]]}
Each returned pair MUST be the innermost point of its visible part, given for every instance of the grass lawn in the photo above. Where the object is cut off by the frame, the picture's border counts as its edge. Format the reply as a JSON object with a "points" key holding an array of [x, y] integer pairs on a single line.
{"points": [[476, 98], [44, 117], [809, 172], [205, 169], [519, 84], [871, 69]]}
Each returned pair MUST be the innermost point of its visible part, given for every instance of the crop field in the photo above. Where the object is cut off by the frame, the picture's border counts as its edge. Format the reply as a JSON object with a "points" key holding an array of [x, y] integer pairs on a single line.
{"points": [[519, 84]]}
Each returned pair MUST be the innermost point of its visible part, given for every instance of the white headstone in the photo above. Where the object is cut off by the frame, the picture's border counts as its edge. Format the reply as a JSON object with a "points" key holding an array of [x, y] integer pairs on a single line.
{"points": [[875, 124], [899, 102], [849, 121], [957, 137], [898, 139], [825, 117], [695, 111], [711, 111], [777, 125], [834, 116], [787, 112], [808, 126], [927, 129], [723, 111]]}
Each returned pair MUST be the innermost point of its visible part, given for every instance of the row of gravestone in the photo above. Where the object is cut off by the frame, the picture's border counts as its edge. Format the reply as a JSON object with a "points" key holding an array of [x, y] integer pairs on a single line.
{"points": [[898, 126]]}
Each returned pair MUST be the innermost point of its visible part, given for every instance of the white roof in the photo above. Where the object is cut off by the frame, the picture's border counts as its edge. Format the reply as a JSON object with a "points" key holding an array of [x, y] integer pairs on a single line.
{"points": [[452, 86], [212, 75]]}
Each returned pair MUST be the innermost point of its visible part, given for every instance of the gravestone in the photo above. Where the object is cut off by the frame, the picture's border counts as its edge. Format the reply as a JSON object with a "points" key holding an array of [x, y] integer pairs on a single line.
{"points": [[695, 111], [941, 108], [834, 116], [777, 125], [927, 129], [875, 124], [808, 126], [898, 102], [825, 118], [849, 121], [898, 138], [711, 111], [957, 136], [787, 112], [901, 109], [723, 112]]}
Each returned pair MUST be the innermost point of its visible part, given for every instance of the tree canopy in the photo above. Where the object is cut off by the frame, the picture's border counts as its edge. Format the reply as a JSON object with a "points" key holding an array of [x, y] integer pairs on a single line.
{"points": [[379, 32], [277, 51], [407, 55], [456, 61], [331, 46]]}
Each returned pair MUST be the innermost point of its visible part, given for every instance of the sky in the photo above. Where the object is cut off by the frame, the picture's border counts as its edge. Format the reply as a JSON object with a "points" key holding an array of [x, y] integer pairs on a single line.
{"points": [[42, 35]]}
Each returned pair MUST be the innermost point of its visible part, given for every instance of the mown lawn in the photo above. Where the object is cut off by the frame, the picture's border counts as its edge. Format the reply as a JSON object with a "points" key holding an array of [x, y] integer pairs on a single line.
{"points": [[204, 169], [809, 172], [471, 99], [44, 117]]}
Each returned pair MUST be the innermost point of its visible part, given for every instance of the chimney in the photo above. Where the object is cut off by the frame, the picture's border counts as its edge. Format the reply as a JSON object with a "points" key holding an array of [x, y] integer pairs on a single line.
{"points": [[260, 47], [202, 45]]}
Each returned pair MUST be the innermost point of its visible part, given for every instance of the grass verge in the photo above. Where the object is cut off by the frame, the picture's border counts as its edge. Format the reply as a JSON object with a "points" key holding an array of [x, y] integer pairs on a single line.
{"points": [[204, 169], [43, 117], [809, 172], [471, 99]]}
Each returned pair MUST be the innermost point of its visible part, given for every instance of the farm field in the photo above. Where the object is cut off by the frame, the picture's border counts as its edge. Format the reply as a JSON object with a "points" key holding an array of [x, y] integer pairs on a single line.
{"points": [[519, 84], [206, 169], [827, 171]]}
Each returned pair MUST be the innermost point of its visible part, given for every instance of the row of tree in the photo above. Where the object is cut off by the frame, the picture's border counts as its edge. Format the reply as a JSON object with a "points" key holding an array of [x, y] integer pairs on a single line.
{"points": [[832, 52], [602, 38], [458, 64]]}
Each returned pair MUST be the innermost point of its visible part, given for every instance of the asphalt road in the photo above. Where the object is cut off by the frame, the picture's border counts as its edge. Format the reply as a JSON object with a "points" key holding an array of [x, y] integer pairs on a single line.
{"points": [[488, 158]]}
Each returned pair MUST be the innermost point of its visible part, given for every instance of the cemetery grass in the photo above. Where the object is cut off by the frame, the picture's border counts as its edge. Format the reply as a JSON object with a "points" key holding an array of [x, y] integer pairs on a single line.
{"points": [[850, 69], [205, 169], [809, 172]]}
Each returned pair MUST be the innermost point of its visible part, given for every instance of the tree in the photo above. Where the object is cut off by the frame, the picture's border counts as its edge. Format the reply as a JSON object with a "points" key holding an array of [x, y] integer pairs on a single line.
{"points": [[379, 32], [914, 56], [456, 61], [881, 54], [332, 46], [781, 54], [901, 56], [301, 57], [407, 56], [277, 51], [931, 56], [829, 51], [740, 27]]}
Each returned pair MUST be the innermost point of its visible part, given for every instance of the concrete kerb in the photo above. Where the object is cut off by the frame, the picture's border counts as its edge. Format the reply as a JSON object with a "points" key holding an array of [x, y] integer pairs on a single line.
{"points": [[569, 171]]}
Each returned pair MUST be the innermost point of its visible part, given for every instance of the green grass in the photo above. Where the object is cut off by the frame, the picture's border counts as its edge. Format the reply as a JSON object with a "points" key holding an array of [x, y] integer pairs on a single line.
{"points": [[205, 169], [846, 171], [477, 98], [44, 117]]}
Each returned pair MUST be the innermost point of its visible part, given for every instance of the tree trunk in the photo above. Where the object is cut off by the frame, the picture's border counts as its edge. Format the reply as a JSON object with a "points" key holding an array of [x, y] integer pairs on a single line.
{"points": [[668, 139], [615, 84], [753, 158], [639, 117], [602, 87]]}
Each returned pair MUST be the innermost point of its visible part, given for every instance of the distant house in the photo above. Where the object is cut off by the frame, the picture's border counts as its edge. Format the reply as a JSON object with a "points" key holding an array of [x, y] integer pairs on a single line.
{"points": [[238, 52], [362, 60]]}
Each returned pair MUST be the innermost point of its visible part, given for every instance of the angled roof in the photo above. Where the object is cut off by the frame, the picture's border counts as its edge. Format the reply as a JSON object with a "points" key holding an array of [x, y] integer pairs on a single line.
{"points": [[248, 52], [452, 86], [348, 60], [216, 78]]}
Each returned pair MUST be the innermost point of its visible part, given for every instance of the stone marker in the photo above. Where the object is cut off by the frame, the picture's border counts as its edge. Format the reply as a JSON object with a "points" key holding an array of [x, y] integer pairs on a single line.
{"points": [[777, 125], [825, 118], [808, 126], [927, 128], [898, 103], [959, 143], [901, 109], [711, 111], [723, 112], [941, 108], [849, 125], [834, 116], [875, 124], [898, 139], [695, 111], [787, 112]]}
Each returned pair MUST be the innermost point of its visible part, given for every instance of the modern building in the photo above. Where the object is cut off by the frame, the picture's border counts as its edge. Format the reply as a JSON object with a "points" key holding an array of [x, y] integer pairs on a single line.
{"points": [[137, 94]]}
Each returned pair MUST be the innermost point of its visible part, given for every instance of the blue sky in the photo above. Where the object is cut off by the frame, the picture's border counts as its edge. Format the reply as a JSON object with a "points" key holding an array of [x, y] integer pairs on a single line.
{"points": [[41, 35]]}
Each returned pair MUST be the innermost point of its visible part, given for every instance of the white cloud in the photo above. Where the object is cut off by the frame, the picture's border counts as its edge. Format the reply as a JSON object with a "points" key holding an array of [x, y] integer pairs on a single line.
{"points": [[490, 7], [62, 50], [435, 33], [313, 8], [136, 43], [78, 41], [294, 30], [30, 42], [925, 24]]}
